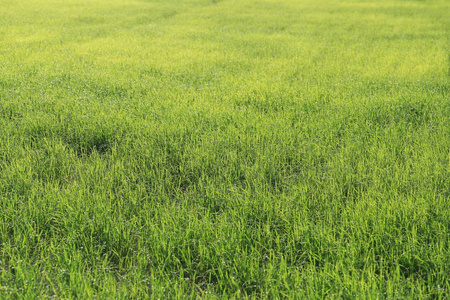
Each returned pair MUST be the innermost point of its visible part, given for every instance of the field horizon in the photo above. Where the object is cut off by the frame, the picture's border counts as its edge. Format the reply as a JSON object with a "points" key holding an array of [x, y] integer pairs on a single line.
{"points": [[222, 149]]}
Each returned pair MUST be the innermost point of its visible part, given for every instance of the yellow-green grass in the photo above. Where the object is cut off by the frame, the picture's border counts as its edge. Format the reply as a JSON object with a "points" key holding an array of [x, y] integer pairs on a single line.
{"points": [[224, 149]]}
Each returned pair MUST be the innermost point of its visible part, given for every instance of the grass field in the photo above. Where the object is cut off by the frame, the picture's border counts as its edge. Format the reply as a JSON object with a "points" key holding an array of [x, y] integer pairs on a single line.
{"points": [[224, 149]]}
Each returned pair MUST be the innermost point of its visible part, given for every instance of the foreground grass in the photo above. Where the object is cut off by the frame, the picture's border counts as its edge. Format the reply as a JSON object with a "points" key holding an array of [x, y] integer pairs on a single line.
{"points": [[224, 149]]}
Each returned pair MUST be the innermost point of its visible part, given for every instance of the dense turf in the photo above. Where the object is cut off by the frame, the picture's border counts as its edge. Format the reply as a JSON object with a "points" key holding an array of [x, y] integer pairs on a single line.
{"points": [[219, 149]]}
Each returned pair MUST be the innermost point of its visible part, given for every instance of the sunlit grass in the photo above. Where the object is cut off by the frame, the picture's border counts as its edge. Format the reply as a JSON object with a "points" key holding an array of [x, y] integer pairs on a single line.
{"points": [[224, 149]]}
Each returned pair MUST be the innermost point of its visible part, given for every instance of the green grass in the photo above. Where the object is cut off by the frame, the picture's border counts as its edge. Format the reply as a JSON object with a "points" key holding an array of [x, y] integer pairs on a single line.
{"points": [[224, 149]]}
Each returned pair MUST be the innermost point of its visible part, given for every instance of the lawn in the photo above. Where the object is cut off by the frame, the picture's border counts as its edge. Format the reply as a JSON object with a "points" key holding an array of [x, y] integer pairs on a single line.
{"points": [[221, 149]]}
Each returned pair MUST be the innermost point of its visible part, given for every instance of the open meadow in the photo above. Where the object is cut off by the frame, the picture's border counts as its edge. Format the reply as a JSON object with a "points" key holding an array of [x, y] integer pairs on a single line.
{"points": [[217, 149]]}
